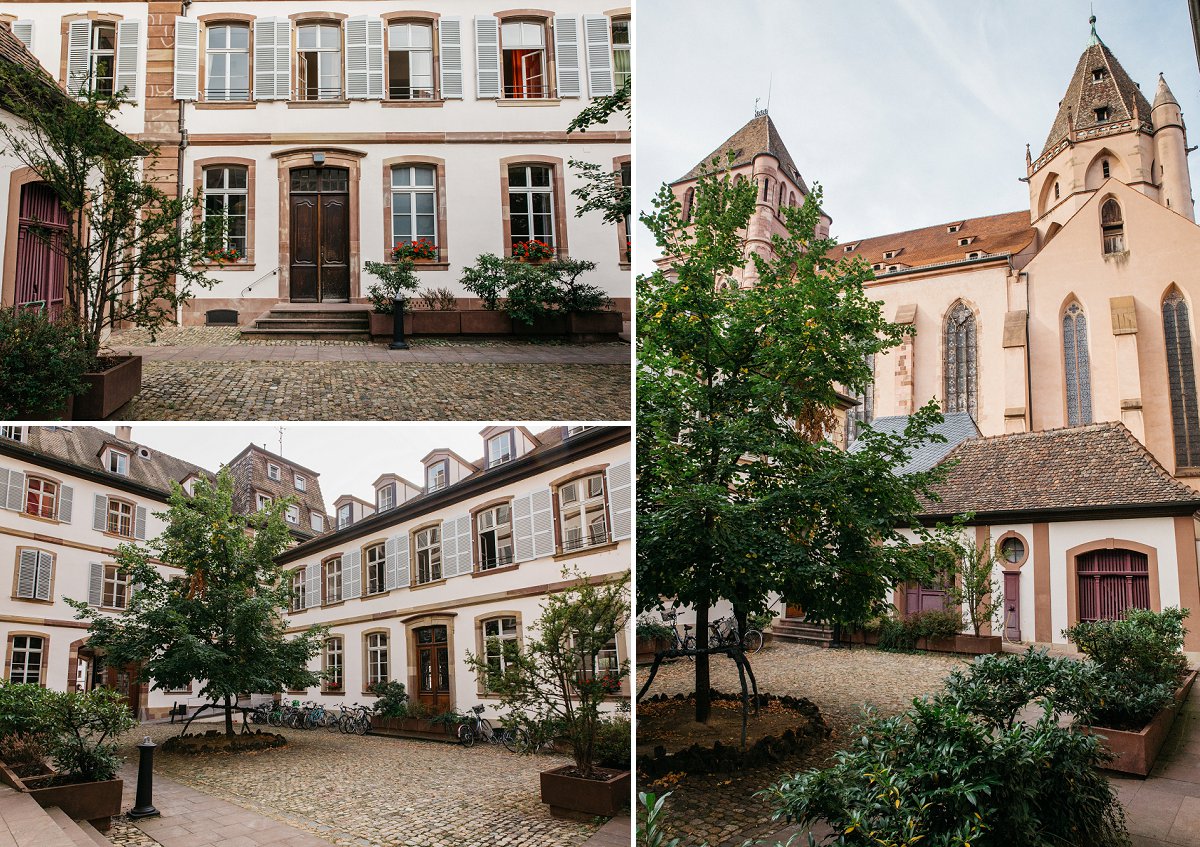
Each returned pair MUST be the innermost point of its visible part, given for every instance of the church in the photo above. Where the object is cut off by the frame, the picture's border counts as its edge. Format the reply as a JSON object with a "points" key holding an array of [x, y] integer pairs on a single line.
{"points": [[1063, 330]]}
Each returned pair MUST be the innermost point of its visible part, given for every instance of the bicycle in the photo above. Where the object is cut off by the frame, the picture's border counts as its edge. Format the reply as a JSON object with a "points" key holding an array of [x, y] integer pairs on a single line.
{"points": [[685, 642], [356, 720], [475, 727], [532, 737], [725, 632]]}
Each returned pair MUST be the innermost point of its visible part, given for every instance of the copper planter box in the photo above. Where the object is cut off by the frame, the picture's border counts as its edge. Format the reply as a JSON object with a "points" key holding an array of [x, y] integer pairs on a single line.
{"points": [[545, 325], [109, 390], [1136, 752], [414, 728], [485, 322], [382, 325], [595, 326], [435, 323], [95, 802], [577, 798], [971, 645]]}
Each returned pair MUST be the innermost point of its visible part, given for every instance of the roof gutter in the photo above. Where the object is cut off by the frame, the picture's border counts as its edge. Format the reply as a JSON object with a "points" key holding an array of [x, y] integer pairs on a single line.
{"points": [[54, 463], [1068, 513]]}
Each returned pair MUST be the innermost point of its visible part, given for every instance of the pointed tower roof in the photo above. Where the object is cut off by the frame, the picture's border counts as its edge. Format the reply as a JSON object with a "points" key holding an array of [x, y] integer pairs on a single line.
{"points": [[1163, 94], [1099, 81], [757, 136]]}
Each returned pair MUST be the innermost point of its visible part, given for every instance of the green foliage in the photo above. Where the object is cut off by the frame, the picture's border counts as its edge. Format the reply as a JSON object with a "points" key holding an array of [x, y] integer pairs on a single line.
{"points": [[24, 753], [86, 726], [23, 709], [901, 634], [397, 280], [391, 699], [940, 776], [650, 821], [551, 677], [969, 579], [220, 620], [528, 291], [652, 628], [998, 687], [614, 737], [41, 364]]}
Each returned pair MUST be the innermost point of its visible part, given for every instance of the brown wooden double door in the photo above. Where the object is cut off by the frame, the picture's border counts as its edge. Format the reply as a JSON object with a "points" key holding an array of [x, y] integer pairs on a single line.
{"points": [[433, 667], [320, 235]]}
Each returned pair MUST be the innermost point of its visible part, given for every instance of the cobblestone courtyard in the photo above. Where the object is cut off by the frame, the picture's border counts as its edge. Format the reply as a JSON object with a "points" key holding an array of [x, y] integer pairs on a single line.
{"points": [[364, 791], [721, 809]]}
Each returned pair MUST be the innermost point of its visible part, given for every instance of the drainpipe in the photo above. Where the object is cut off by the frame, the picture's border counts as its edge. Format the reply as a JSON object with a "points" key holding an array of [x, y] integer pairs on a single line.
{"points": [[186, 5]]}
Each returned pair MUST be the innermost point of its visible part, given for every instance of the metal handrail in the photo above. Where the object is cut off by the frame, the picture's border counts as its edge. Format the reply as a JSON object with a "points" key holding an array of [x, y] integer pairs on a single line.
{"points": [[272, 272]]}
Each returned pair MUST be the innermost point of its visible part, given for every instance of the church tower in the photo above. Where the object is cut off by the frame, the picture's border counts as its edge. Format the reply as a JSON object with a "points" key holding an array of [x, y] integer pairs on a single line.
{"points": [[1106, 129]]}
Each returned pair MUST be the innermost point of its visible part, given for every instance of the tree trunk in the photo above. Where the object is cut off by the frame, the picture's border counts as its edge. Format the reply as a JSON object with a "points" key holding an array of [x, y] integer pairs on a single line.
{"points": [[703, 683], [740, 615], [228, 717]]}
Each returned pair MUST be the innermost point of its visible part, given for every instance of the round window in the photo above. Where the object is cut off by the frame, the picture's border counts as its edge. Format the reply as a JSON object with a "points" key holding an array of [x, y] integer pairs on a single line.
{"points": [[1012, 550]]}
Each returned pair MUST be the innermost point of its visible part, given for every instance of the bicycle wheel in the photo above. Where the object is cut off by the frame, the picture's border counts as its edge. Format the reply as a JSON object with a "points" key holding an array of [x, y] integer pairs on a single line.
{"points": [[333, 722], [752, 641], [275, 718], [689, 643], [362, 725], [466, 735], [486, 731], [515, 740]]}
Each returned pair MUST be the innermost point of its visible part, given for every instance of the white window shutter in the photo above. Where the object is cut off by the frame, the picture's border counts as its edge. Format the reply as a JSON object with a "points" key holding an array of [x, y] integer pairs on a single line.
{"points": [[566, 56], [23, 30], [187, 59], [66, 500], [45, 570], [128, 44], [449, 548], [375, 59], [542, 516], [79, 37], [96, 584], [599, 55], [487, 58], [272, 59], [458, 562], [12, 490], [139, 523], [312, 586], [100, 513], [403, 577], [450, 57], [351, 575], [522, 518], [620, 500], [390, 548], [357, 84], [27, 574], [283, 59]]}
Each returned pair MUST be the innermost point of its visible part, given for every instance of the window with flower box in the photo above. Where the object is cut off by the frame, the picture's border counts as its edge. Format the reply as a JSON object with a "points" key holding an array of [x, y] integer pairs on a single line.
{"points": [[414, 206], [531, 204]]}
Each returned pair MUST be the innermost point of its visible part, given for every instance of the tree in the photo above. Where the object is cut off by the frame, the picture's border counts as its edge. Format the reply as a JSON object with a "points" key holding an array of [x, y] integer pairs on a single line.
{"points": [[554, 677], [971, 585], [129, 257], [219, 619], [740, 494], [603, 190]]}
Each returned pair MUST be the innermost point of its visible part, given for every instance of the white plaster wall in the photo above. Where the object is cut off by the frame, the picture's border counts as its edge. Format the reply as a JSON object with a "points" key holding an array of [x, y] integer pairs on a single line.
{"points": [[1026, 586]]}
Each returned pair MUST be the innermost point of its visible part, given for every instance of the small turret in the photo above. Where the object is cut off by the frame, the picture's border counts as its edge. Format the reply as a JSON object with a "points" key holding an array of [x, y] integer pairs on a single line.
{"points": [[1170, 152]]}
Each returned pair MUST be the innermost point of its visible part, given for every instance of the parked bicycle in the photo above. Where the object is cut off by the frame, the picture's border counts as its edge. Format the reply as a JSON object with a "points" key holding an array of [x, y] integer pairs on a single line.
{"points": [[355, 720], [724, 631], [687, 641], [475, 727], [528, 736]]}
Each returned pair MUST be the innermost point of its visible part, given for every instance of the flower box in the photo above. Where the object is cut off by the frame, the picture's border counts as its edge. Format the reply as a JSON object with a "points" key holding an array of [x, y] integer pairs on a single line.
{"points": [[545, 325], [109, 389], [1136, 752], [414, 728], [570, 796], [435, 323], [95, 802], [647, 648], [485, 322], [382, 325], [971, 645], [595, 326]]}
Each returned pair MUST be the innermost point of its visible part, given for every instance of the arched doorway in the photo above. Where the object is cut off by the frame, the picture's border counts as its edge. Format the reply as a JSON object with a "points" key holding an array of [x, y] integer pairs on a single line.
{"points": [[433, 667], [1111, 582], [41, 267], [319, 200]]}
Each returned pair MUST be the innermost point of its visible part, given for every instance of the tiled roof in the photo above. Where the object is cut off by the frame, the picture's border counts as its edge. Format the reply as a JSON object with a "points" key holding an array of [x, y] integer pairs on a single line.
{"points": [[956, 428], [1098, 465], [1009, 232], [1116, 90], [14, 51], [757, 136]]}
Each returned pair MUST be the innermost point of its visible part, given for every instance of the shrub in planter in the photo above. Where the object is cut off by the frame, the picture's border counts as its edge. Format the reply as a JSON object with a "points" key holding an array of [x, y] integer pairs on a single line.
{"points": [[42, 363], [613, 743], [396, 280], [23, 709], [438, 299], [529, 292], [86, 724], [997, 687], [650, 629], [24, 753], [392, 700], [903, 633]]}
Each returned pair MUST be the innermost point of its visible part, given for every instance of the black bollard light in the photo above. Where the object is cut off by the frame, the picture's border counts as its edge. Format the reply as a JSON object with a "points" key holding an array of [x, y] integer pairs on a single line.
{"points": [[144, 807], [398, 342]]}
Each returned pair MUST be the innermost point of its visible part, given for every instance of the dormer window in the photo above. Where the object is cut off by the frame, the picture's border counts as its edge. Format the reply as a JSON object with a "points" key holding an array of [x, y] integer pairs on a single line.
{"points": [[954, 228], [301, 482], [1103, 114], [849, 248], [575, 430], [1099, 74], [891, 268], [437, 475], [344, 516], [385, 497], [963, 242], [317, 521], [890, 254], [293, 514], [973, 255], [500, 448], [13, 433], [876, 266], [273, 472], [117, 462], [261, 501]]}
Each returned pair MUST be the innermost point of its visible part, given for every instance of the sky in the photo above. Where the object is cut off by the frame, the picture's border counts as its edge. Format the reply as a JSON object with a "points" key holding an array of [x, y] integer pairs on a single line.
{"points": [[909, 113], [348, 457]]}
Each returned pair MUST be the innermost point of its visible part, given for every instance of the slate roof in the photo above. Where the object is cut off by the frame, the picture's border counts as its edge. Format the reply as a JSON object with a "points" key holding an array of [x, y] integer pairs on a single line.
{"points": [[1098, 466], [13, 50], [757, 136], [1116, 90], [956, 428], [1009, 232]]}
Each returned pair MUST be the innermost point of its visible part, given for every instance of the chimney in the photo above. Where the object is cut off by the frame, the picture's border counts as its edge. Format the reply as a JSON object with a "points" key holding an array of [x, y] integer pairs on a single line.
{"points": [[125, 433]]}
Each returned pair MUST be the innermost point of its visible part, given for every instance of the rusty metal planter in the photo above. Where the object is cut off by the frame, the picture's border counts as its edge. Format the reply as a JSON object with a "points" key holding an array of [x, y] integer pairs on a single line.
{"points": [[108, 390], [574, 797], [414, 728], [95, 802], [1136, 752]]}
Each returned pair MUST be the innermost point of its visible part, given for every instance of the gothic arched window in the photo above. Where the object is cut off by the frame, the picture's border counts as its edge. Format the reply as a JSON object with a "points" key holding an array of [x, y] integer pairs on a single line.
{"points": [[689, 197], [864, 412], [960, 361], [1112, 225], [1181, 375], [1078, 366]]}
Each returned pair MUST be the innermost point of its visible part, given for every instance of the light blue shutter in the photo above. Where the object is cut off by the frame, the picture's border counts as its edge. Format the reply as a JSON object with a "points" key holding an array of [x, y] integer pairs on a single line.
{"points": [[352, 575], [27, 568], [542, 517], [487, 57], [620, 500], [128, 44], [566, 56], [23, 30], [45, 570], [66, 499], [450, 57], [96, 584], [187, 59], [100, 513], [599, 55], [79, 37], [522, 518]]}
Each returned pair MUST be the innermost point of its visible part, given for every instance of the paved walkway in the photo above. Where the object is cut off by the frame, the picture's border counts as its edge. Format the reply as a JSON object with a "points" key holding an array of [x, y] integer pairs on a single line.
{"points": [[615, 833], [502, 353]]}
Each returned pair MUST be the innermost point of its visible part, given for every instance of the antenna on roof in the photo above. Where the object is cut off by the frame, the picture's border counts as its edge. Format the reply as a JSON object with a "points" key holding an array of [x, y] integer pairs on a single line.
{"points": [[280, 441]]}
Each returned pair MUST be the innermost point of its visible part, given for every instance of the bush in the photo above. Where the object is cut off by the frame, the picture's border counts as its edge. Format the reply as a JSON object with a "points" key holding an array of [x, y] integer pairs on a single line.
{"points": [[396, 279], [650, 629], [392, 699], [939, 776], [613, 743], [439, 299], [24, 753], [42, 363], [23, 709], [997, 688], [86, 724], [902, 633], [529, 292]]}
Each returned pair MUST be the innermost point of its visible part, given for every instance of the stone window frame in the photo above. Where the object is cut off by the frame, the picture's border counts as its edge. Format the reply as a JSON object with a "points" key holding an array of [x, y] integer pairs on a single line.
{"points": [[217, 19], [8, 654], [414, 16], [971, 401], [1012, 566], [574, 476], [442, 263], [108, 508], [325, 563], [544, 17], [476, 551], [1110, 229], [1185, 420], [512, 444], [293, 594], [118, 576], [1076, 361], [445, 463], [373, 544], [481, 690], [298, 20], [558, 195], [341, 639], [414, 569], [17, 573], [366, 657], [94, 17], [624, 239], [1073, 554], [58, 486], [614, 15]]}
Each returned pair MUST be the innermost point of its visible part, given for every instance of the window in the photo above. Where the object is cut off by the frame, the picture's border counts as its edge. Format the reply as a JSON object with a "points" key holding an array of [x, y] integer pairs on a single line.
{"points": [[531, 203], [377, 658], [689, 198], [414, 204], [495, 537], [622, 64], [953, 228], [1078, 366], [297, 597], [120, 518], [1105, 169], [319, 71], [13, 433], [301, 482], [1102, 114], [227, 72], [385, 497], [1012, 550], [524, 45], [890, 254], [500, 644], [959, 355], [375, 575], [500, 448], [115, 588], [973, 255], [333, 580], [626, 172], [1099, 74], [226, 203], [317, 522], [429, 555], [1112, 227], [864, 412], [575, 430], [1111, 582], [35, 571], [334, 664], [436, 474], [963, 242], [410, 61], [102, 58], [344, 516], [273, 472], [25, 665], [1181, 376], [581, 508], [1056, 191], [41, 497], [261, 501], [607, 663], [117, 462], [293, 514]]}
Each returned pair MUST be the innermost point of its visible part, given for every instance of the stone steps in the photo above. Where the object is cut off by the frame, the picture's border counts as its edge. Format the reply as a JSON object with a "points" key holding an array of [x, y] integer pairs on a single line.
{"points": [[801, 632], [23, 823], [343, 324]]}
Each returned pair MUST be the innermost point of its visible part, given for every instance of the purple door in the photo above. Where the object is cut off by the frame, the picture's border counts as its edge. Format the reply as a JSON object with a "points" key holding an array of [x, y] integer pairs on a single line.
{"points": [[920, 598], [41, 266], [1012, 606]]}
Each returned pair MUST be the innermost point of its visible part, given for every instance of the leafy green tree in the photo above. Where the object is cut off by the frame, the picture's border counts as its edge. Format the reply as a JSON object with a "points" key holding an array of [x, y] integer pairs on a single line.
{"points": [[397, 281], [219, 618], [971, 584], [740, 494], [603, 190]]}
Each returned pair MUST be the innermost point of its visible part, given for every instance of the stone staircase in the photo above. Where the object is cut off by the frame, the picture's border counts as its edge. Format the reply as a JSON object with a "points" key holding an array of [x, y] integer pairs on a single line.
{"points": [[23, 823], [800, 632], [314, 322]]}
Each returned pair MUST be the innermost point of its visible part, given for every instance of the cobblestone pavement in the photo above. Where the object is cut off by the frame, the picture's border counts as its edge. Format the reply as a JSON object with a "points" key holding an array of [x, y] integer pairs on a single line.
{"points": [[355, 390], [366, 791], [721, 809]]}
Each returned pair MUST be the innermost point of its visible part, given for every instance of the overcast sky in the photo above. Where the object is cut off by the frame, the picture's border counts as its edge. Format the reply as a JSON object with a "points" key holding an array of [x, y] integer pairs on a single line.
{"points": [[349, 457], [908, 112]]}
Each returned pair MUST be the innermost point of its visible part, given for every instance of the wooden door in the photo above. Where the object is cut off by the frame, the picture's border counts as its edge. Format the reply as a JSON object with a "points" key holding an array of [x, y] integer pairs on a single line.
{"points": [[1012, 606], [433, 668], [41, 266], [320, 235], [922, 598], [124, 680]]}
